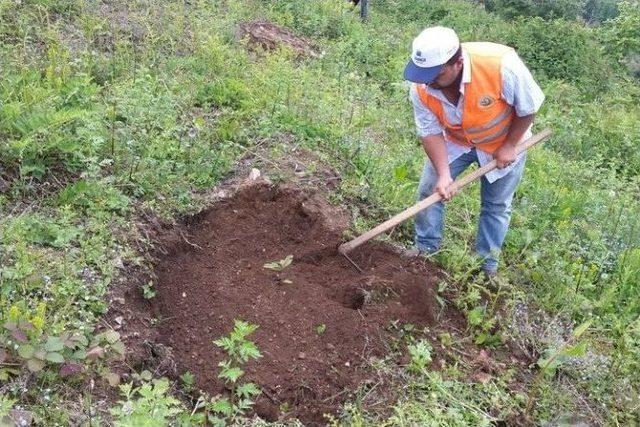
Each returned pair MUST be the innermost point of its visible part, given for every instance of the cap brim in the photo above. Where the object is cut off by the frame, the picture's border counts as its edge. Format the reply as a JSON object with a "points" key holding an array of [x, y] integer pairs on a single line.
{"points": [[416, 74]]}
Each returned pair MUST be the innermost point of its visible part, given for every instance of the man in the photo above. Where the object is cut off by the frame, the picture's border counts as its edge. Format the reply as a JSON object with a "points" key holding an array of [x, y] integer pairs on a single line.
{"points": [[473, 102]]}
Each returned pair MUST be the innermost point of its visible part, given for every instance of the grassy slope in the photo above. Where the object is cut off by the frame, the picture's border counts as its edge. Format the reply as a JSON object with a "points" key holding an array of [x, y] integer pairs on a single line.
{"points": [[109, 111]]}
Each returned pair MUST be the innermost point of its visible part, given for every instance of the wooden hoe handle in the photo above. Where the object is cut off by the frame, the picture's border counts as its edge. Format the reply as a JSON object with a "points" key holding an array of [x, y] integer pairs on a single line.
{"points": [[436, 197]]}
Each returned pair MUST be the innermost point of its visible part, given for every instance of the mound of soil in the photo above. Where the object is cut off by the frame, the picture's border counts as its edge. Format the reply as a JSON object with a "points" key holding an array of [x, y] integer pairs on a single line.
{"points": [[320, 320], [268, 36]]}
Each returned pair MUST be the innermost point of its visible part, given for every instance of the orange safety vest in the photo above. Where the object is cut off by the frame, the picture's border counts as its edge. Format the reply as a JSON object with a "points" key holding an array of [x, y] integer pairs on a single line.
{"points": [[486, 117]]}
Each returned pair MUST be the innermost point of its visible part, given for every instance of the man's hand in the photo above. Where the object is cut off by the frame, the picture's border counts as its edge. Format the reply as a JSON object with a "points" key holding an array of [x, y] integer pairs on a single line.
{"points": [[444, 187], [505, 155]]}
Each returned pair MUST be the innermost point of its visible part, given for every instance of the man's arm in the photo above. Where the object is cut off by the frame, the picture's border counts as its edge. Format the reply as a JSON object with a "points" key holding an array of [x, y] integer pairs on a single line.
{"points": [[430, 132], [521, 91], [436, 148], [506, 154]]}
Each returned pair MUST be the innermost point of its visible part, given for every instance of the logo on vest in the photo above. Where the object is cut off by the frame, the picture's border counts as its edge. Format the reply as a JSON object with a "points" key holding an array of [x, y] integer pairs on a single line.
{"points": [[486, 101]]}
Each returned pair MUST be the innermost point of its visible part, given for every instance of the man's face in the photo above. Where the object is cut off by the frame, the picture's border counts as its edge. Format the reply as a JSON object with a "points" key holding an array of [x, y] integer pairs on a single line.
{"points": [[447, 76]]}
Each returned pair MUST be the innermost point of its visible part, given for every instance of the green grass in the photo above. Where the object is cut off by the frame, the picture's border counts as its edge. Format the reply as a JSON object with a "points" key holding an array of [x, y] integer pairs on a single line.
{"points": [[109, 112]]}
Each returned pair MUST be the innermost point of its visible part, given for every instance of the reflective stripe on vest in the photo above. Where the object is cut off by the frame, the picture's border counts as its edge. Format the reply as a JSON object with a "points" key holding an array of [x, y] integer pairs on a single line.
{"points": [[486, 117]]}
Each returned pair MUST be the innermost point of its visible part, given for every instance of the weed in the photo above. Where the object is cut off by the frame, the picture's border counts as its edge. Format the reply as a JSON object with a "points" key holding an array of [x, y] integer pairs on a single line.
{"points": [[188, 381], [239, 351], [420, 353], [70, 353], [149, 405], [279, 265], [148, 290]]}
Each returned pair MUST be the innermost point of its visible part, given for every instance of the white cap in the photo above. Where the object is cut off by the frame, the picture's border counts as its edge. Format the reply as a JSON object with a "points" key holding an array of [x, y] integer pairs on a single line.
{"points": [[430, 51]]}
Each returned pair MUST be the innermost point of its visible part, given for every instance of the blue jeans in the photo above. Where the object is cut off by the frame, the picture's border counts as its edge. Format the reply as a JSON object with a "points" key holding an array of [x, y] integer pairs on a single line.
{"points": [[495, 212]]}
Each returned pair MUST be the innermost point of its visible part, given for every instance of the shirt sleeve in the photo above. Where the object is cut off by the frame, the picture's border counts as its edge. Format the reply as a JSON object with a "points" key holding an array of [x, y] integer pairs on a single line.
{"points": [[518, 86], [426, 122]]}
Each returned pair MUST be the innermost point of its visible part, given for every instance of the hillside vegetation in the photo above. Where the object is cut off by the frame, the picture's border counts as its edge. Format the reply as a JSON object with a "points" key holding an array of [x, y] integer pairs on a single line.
{"points": [[113, 111]]}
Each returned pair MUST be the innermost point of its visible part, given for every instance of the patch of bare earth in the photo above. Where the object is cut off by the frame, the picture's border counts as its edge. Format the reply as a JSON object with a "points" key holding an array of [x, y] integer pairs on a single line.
{"points": [[219, 276], [322, 323], [267, 36]]}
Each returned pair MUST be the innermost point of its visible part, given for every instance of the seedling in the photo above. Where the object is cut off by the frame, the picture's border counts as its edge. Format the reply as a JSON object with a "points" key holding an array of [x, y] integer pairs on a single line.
{"points": [[279, 265], [320, 329], [240, 351], [420, 356], [284, 407], [151, 404], [148, 291], [188, 381], [555, 358]]}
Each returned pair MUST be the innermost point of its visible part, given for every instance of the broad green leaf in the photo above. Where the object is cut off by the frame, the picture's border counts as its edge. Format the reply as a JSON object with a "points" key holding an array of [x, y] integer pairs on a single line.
{"points": [[54, 344], [272, 266], [242, 329], [118, 347], [112, 378], [481, 338], [279, 265], [26, 351], [111, 336], [287, 261], [80, 355], [577, 350], [55, 357], [80, 339], [35, 365], [577, 332]]}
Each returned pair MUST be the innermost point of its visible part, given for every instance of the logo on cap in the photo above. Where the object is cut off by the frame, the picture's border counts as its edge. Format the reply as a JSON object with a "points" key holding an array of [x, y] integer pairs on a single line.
{"points": [[418, 57]]}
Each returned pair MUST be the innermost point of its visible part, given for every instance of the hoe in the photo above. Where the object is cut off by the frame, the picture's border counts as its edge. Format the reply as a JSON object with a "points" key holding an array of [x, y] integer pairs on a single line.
{"points": [[347, 247]]}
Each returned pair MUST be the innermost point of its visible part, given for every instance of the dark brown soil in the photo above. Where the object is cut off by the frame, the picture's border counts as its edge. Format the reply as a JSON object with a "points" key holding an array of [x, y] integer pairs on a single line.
{"points": [[267, 36], [320, 320]]}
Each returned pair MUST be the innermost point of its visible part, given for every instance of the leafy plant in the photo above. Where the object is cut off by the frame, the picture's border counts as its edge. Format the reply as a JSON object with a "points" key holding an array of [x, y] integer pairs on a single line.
{"points": [[554, 358], [148, 290], [280, 265], [70, 352], [483, 324], [188, 381], [5, 405], [420, 353], [149, 405], [239, 351]]}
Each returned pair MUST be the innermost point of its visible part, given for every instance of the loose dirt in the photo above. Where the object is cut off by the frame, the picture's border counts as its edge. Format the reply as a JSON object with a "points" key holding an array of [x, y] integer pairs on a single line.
{"points": [[267, 36], [321, 322]]}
